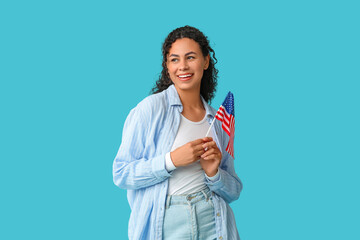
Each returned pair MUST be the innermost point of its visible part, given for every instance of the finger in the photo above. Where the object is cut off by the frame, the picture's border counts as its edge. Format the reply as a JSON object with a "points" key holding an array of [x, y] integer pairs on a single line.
{"points": [[209, 144], [197, 150], [207, 139], [212, 157], [198, 147], [208, 152], [197, 142], [199, 153]]}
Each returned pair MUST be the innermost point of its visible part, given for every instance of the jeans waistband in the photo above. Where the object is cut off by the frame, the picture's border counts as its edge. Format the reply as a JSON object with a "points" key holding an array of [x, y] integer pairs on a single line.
{"points": [[188, 199]]}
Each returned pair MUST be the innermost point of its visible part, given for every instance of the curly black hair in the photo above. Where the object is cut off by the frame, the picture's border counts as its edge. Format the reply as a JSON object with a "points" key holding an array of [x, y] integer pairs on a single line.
{"points": [[209, 79]]}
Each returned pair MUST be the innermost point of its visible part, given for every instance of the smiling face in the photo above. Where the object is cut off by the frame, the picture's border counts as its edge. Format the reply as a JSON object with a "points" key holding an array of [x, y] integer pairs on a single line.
{"points": [[186, 64]]}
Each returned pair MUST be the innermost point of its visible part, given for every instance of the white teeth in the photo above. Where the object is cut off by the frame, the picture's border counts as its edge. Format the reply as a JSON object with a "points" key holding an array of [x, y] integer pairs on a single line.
{"points": [[183, 76]]}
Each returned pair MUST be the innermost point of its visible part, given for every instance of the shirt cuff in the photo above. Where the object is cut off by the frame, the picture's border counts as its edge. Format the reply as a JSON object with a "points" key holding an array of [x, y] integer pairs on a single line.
{"points": [[158, 167], [213, 178], [169, 165]]}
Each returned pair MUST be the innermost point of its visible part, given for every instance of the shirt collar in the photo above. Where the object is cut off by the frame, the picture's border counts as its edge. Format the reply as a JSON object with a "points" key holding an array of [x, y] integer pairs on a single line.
{"points": [[174, 100], [173, 96]]}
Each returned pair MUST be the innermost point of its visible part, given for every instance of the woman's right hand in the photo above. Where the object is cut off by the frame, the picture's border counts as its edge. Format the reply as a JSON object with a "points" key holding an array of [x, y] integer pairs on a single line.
{"points": [[187, 153]]}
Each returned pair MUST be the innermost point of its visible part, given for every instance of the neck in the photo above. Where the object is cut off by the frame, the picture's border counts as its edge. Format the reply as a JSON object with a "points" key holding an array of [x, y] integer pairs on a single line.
{"points": [[193, 108], [190, 98]]}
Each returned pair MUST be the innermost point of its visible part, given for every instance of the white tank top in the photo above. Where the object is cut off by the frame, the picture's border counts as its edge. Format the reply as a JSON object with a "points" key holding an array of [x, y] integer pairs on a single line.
{"points": [[190, 178]]}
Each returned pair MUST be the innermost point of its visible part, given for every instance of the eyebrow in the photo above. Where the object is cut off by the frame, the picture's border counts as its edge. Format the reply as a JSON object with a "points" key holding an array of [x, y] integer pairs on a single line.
{"points": [[175, 55]]}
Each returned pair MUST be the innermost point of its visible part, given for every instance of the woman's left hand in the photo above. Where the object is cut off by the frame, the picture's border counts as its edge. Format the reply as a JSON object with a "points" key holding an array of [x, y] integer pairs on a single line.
{"points": [[211, 159]]}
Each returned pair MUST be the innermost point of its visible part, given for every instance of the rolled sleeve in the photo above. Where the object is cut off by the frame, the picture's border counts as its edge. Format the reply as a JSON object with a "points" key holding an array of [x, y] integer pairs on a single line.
{"points": [[214, 178], [158, 167]]}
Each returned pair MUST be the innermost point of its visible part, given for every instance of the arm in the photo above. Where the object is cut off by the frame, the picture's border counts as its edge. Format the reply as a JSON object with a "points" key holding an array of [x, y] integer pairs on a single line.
{"points": [[228, 186], [225, 183], [131, 168]]}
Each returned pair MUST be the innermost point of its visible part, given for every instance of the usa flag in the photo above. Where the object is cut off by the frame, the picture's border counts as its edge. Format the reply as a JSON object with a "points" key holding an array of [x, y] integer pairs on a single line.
{"points": [[226, 114]]}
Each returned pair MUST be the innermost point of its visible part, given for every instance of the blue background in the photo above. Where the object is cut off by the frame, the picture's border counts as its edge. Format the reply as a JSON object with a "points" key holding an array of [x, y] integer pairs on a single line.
{"points": [[70, 72]]}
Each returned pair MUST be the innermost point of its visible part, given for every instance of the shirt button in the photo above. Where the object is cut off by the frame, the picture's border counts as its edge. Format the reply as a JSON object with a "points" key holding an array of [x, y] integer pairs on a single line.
{"points": [[218, 214]]}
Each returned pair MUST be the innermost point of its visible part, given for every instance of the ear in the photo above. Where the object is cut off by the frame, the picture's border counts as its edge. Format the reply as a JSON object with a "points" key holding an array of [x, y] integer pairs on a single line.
{"points": [[207, 62]]}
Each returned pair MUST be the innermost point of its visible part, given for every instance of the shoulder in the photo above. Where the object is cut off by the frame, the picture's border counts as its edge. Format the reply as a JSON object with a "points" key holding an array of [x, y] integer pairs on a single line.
{"points": [[153, 103], [146, 113], [151, 107]]}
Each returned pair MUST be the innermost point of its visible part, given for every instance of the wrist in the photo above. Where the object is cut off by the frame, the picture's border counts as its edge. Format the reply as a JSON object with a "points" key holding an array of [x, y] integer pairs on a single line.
{"points": [[211, 173], [215, 178], [173, 158]]}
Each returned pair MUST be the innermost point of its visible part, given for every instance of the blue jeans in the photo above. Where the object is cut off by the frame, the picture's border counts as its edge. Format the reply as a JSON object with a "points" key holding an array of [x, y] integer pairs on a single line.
{"points": [[189, 217]]}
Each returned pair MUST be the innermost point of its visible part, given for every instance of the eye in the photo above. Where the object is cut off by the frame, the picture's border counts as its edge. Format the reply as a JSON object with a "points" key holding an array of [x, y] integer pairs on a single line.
{"points": [[191, 57], [173, 60]]}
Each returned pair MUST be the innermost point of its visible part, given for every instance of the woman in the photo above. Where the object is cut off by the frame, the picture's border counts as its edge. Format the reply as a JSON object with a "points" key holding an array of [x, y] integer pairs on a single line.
{"points": [[179, 182]]}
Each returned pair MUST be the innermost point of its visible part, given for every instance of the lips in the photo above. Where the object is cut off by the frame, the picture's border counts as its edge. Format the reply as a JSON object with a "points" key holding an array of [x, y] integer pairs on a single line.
{"points": [[185, 77]]}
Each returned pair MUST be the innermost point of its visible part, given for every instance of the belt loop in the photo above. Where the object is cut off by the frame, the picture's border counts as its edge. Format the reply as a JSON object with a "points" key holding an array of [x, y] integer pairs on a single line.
{"points": [[168, 198], [205, 195]]}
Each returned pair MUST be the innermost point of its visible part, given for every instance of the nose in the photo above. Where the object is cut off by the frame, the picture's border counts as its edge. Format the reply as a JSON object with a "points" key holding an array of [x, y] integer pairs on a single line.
{"points": [[183, 65]]}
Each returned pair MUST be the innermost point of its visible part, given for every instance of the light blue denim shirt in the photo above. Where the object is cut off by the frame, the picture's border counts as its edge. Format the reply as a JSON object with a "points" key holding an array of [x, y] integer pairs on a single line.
{"points": [[139, 166]]}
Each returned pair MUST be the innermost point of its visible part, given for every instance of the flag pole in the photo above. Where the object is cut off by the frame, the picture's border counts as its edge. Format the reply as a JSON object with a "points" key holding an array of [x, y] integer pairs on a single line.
{"points": [[208, 131]]}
